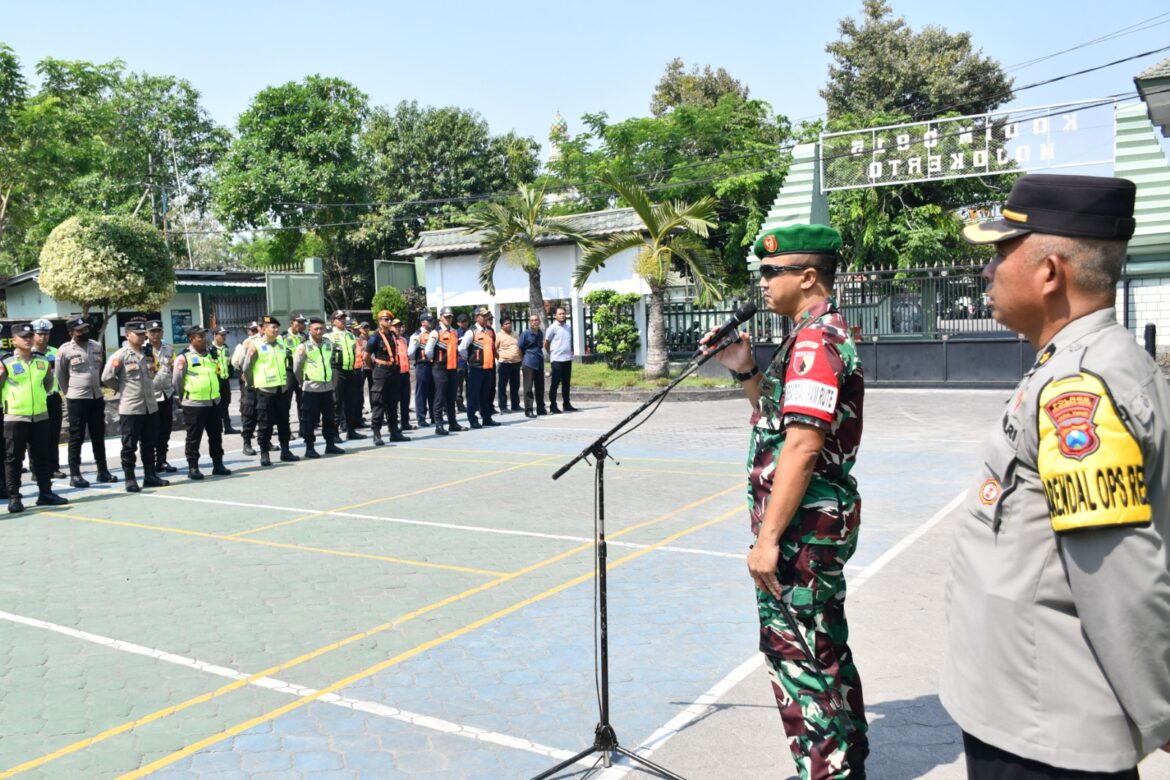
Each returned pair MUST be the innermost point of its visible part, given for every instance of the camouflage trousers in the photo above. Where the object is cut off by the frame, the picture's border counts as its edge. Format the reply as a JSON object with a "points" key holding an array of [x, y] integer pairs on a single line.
{"points": [[820, 704]]}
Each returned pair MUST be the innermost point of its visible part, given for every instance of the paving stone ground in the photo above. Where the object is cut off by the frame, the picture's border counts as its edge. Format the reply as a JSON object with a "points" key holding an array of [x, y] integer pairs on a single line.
{"points": [[426, 610]]}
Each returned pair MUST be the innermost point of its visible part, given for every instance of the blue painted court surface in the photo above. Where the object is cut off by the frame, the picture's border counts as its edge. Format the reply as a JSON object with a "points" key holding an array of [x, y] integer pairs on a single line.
{"points": [[422, 610]]}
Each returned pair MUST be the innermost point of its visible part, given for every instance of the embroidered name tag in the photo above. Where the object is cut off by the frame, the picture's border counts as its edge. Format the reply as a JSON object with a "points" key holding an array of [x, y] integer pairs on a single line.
{"points": [[809, 394]]}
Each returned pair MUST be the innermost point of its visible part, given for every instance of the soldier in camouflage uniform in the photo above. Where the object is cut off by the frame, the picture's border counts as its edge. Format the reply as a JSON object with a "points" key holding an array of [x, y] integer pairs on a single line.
{"points": [[804, 506]]}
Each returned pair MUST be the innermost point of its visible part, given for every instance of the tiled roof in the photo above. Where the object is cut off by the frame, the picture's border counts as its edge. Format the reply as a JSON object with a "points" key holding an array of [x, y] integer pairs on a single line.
{"points": [[1158, 70], [455, 241]]}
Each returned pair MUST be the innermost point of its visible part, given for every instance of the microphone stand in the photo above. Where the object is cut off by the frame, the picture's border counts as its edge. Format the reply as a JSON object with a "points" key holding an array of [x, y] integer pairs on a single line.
{"points": [[605, 739]]}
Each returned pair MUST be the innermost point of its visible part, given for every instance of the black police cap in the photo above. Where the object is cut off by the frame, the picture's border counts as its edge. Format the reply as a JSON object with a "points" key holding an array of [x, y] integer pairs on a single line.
{"points": [[1099, 207]]}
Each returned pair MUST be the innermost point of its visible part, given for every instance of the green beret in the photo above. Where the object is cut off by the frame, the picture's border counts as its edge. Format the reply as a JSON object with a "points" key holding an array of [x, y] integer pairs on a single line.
{"points": [[798, 240]]}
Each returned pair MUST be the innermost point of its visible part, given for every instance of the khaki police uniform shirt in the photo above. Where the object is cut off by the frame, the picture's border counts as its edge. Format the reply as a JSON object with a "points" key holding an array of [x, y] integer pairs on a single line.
{"points": [[131, 375], [1059, 606], [79, 370], [164, 384]]}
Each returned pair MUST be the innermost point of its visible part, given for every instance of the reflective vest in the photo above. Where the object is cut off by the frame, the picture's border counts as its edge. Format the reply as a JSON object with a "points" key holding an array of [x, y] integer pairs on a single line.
{"points": [[483, 350], [420, 352], [202, 380], [318, 362], [294, 340], [450, 339], [403, 358], [24, 392], [51, 354], [222, 360], [268, 372], [345, 343]]}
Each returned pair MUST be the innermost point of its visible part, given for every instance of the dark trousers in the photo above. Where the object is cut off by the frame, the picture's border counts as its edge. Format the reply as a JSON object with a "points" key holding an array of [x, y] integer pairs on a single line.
{"points": [[139, 433], [384, 398], [562, 373], [461, 387], [509, 385], [272, 411], [480, 387], [295, 401], [444, 396], [33, 436], [366, 378], [166, 424], [318, 407], [424, 393], [985, 762], [56, 413], [87, 413], [533, 388], [199, 419], [225, 404], [347, 393], [404, 398], [247, 411]]}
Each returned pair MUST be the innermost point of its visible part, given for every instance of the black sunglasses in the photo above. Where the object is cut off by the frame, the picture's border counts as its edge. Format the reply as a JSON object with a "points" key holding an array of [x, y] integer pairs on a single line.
{"points": [[770, 272]]}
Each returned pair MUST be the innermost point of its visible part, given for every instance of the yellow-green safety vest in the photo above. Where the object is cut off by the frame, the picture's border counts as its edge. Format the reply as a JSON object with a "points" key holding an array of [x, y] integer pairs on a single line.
{"points": [[269, 369], [24, 390], [223, 360], [51, 354], [318, 365], [202, 380], [346, 343]]}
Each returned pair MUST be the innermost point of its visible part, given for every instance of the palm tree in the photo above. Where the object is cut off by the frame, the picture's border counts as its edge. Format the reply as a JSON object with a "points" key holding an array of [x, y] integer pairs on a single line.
{"points": [[512, 230], [672, 243]]}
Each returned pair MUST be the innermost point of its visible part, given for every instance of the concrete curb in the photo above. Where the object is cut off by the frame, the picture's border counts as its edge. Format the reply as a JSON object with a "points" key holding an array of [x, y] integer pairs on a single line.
{"points": [[639, 394]]}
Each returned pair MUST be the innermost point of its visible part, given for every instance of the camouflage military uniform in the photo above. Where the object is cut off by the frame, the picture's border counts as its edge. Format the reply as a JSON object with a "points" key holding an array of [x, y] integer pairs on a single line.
{"points": [[814, 378]]}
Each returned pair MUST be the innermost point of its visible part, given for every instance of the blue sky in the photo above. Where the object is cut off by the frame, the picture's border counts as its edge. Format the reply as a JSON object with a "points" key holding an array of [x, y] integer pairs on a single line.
{"points": [[518, 62]]}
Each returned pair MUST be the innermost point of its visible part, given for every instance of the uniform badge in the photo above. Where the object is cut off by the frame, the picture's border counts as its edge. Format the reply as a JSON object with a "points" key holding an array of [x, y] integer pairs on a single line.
{"points": [[770, 243], [989, 492], [263, 347], [802, 362], [17, 368], [1072, 415]]}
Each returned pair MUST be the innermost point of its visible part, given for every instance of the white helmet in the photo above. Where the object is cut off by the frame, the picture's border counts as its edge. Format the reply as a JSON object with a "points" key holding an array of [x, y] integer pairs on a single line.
{"points": [[42, 326]]}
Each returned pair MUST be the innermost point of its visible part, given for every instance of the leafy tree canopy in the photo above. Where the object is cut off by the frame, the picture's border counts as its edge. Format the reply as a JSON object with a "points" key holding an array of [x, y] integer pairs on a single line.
{"points": [[107, 262], [434, 154], [677, 87]]}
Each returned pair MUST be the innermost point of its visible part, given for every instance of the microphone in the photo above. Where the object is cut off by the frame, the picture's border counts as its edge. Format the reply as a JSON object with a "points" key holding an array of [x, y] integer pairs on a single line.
{"points": [[742, 315]]}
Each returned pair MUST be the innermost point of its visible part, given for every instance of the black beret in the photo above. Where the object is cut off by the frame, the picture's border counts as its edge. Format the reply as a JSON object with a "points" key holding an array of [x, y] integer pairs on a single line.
{"points": [[154, 325], [268, 319], [1075, 206], [77, 323], [136, 325], [23, 329], [316, 321], [194, 330]]}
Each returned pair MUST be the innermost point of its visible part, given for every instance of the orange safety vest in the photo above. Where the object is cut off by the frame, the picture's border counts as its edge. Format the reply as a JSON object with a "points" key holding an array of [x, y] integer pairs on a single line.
{"points": [[487, 350], [420, 354], [451, 339], [400, 346]]}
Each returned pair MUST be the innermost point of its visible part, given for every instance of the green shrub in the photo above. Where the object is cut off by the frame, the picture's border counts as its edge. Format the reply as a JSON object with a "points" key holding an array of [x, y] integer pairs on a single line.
{"points": [[615, 334]]}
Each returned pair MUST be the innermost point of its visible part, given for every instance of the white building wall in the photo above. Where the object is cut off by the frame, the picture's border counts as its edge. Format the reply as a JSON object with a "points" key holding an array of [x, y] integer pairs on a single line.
{"points": [[1149, 301]]}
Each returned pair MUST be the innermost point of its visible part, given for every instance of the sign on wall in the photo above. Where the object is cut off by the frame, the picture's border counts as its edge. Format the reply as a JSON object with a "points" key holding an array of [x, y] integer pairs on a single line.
{"points": [[1029, 139]]}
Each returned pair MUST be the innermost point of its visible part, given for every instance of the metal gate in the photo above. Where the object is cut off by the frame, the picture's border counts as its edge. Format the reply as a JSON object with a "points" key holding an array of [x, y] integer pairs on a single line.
{"points": [[234, 312]]}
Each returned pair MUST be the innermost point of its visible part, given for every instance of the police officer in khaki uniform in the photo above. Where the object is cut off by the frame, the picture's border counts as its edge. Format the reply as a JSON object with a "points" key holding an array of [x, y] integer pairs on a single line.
{"points": [[25, 380], [1059, 606], [164, 393], [313, 368], [130, 374], [196, 379], [79, 371], [264, 366]]}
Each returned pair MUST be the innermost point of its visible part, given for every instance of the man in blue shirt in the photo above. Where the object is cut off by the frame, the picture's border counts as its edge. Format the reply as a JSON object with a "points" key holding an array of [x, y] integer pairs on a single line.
{"points": [[559, 343], [532, 366]]}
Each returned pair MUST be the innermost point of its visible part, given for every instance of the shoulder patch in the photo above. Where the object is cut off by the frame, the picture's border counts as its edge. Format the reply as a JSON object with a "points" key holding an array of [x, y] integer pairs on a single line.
{"points": [[1091, 465]]}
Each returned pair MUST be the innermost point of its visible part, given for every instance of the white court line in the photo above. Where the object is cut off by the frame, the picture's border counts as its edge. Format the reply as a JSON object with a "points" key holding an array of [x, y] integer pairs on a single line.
{"points": [[272, 684], [431, 524], [701, 706]]}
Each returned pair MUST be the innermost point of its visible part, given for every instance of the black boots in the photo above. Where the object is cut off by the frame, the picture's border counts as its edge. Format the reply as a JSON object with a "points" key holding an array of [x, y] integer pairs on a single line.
{"points": [[248, 449], [286, 455], [164, 467], [15, 505], [354, 435], [378, 439], [131, 480], [78, 481], [104, 475], [311, 451], [193, 471], [218, 469], [440, 430], [332, 449], [396, 434], [51, 499], [151, 478], [265, 460]]}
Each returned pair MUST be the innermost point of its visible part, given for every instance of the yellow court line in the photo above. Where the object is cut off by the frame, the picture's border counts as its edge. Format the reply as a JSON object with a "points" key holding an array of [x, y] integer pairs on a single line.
{"points": [[430, 644], [420, 491], [630, 470], [274, 670], [281, 545]]}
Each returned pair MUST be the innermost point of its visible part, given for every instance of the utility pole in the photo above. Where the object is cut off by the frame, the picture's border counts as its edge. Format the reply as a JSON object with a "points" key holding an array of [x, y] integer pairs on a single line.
{"points": [[179, 191]]}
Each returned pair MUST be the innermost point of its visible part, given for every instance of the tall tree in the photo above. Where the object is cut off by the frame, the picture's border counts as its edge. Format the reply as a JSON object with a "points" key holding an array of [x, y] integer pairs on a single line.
{"points": [[881, 65], [677, 87], [434, 155], [733, 153], [885, 73], [295, 159], [672, 245], [512, 231]]}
